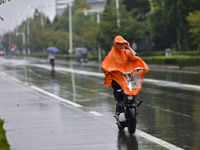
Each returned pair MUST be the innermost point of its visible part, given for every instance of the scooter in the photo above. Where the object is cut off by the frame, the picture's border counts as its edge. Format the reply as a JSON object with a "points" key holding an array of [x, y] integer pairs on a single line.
{"points": [[128, 116]]}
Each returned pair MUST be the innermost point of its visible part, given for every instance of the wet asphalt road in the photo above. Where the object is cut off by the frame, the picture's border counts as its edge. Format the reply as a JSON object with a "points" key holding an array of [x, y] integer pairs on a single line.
{"points": [[36, 105]]}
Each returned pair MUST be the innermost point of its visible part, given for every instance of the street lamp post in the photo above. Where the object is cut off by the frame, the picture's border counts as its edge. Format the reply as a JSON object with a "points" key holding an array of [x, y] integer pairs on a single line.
{"points": [[23, 40], [28, 33], [93, 11], [98, 22], [117, 12], [70, 29]]}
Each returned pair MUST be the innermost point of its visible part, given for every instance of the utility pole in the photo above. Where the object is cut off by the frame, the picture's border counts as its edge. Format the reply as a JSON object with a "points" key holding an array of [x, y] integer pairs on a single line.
{"points": [[117, 12], [23, 40], [28, 33], [70, 29], [98, 22]]}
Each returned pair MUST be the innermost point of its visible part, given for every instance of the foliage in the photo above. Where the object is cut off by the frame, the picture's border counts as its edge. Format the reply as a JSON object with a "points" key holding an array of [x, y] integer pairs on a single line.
{"points": [[108, 28], [130, 28], [168, 23], [164, 21], [3, 141], [179, 60], [194, 22], [140, 8], [2, 2], [173, 53], [57, 39], [84, 27]]}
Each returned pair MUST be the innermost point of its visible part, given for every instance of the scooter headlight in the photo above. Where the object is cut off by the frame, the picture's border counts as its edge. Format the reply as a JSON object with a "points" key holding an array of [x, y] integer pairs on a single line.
{"points": [[130, 97]]}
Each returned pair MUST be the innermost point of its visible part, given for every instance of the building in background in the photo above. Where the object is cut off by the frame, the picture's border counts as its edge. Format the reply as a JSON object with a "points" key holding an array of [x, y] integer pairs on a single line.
{"points": [[95, 4], [61, 5]]}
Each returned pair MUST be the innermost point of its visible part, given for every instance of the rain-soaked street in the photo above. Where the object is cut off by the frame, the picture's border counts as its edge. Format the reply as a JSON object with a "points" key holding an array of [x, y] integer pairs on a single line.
{"points": [[70, 109]]}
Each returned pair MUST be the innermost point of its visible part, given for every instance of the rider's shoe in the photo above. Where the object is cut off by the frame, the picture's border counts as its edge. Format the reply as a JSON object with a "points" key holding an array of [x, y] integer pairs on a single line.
{"points": [[119, 108]]}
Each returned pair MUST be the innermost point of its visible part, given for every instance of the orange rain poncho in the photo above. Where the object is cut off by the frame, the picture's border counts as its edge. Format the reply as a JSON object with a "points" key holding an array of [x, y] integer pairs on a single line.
{"points": [[118, 61]]}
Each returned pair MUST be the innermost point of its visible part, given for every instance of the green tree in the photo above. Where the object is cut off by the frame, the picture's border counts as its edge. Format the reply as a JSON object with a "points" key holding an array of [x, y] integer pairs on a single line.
{"points": [[194, 21], [84, 26], [57, 39], [163, 25], [37, 39], [2, 2], [140, 8], [168, 23], [108, 27], [131, 28]]}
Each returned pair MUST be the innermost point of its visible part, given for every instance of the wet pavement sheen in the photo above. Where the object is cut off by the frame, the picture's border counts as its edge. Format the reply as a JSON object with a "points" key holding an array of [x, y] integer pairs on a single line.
{"points": [[42, 122]]}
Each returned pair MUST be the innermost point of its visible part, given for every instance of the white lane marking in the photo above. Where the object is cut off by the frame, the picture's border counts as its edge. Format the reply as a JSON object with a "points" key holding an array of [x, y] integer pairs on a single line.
{"points": [[95, 113], [151, 80], [11, 77], [57, 97], [3, 73], [64, 100], [72, 70], [192, 86], [15, 79], [157, 140], [164, 83]]}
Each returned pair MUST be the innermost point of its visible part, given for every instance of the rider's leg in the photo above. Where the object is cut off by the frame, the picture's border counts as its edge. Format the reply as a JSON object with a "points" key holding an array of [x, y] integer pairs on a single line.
{"points": [[117, 92], [52, 63]]}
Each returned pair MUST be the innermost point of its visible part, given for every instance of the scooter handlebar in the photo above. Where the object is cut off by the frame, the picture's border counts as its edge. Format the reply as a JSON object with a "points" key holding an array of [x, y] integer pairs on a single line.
{"points": [[135, 69]]}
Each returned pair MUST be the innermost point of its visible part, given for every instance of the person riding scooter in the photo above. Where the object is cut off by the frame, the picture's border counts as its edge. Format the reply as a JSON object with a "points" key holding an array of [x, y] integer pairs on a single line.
{"points": [[121, 58]]}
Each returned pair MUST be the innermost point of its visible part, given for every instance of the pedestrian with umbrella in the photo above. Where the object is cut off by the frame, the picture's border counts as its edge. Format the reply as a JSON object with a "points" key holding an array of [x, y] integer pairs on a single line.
{"points": [[51, 56]]}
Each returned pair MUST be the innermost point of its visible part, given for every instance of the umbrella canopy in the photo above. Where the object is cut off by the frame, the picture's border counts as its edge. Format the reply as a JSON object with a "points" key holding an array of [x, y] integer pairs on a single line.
{"points": [[52, 49]]}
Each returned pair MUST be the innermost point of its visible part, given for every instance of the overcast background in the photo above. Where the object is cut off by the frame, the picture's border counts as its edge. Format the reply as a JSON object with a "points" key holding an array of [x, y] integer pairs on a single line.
{"points": [[15, 11]]}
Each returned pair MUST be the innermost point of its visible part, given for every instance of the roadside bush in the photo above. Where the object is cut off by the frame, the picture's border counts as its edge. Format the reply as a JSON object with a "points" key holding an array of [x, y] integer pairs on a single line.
{"points": [[173, 52], [90, 57], [154, 60], [3, 141], [188, 53], [64, 56], [180, 60], [151, 53], [162, 60], [188, 61]]}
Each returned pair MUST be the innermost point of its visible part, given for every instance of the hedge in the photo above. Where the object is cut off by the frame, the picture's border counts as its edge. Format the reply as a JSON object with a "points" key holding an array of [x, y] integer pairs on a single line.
{"points": [[180, 60], [173, 52]]}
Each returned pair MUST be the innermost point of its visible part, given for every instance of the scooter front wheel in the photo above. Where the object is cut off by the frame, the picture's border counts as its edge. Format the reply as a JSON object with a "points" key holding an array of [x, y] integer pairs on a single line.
{"points": [[131, 120]]}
